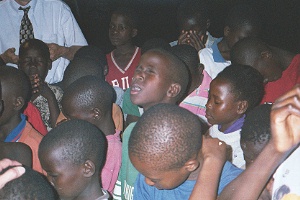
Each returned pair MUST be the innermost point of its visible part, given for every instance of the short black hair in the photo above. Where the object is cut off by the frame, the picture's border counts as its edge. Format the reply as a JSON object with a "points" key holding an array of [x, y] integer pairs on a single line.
{"points": [[37, 45], [197, 9], [242, 15], [92, 52], [257, 127], [89, 92], [247, 51], [78, 140], [247, 83], [80, 67], [178, 71], [166, 136], [130, 13], [18, 82], [155, 43], [31, 185]]}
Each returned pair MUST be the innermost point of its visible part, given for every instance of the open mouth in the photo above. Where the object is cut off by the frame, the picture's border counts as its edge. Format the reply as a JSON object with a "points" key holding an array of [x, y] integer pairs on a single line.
{"points": [[134, 89]]}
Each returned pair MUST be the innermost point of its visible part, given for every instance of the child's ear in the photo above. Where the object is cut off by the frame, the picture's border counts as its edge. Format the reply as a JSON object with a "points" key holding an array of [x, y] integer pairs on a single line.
{"points": [[89, 168], [242, 107], [105, 70], [226, 31], [174, 90], [19, 103], [207, 23], [266, 54], [192, 164], [97, 114], [134, 32]]}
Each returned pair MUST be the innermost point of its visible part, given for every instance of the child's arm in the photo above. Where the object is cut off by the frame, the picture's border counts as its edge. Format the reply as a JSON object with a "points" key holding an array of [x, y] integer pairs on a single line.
{"points": [[285, 120], [212, 160]]}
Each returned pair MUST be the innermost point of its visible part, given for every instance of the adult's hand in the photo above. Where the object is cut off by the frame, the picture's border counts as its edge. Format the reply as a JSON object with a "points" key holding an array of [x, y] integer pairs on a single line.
{"points": [[9, 56], [14, 172]]}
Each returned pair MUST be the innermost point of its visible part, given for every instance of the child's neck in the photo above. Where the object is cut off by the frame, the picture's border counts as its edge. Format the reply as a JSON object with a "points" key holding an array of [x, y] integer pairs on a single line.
{"points": [[6, 128], [107, 126], [92, 191], [224, 127], [196, 83], [224, 49], [125, 49], [285, 57]]}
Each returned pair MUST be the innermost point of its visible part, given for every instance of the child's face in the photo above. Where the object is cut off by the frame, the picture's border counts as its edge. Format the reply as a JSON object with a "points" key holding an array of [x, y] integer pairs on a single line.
{"points": [[232, 36], [161, 179], [67, 178], [33, 62], [150, 83], [192, 24], [8, 99], [222, 105], [251, 150], [120, 30]]}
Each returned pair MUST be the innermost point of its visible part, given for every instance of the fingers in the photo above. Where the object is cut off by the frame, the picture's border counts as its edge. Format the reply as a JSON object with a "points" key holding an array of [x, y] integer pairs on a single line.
{"points": [[12, 173]]}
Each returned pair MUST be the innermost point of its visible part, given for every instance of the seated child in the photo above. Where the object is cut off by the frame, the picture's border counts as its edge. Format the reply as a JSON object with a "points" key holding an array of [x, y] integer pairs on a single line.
{"points": [[16, 151], [242, 21], [126, 56], [73, 154], [30, 185], [91, 99], [280, 69], [193, 22], [282, 150], [164, 147], [34, 60], [33, 115], [85, 66], [235, 90], [159, 78], [13, 125]]}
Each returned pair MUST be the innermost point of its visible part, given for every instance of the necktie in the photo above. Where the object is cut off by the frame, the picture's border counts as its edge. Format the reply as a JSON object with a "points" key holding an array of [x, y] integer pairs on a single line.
{"points": [[26, 30]]}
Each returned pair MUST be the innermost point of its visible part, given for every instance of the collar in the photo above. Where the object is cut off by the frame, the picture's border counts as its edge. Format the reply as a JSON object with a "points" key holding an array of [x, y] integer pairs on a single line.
{"points": [[235, 126], [16, 133], [16, 6], [216, 52]]}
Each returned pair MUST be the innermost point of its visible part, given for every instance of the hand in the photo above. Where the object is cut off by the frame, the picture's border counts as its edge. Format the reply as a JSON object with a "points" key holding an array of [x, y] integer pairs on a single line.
{"points": [[56, 51], [192, 38], [12, 173], [9, 56], [285, 120], [213, 148], [39, 86]]}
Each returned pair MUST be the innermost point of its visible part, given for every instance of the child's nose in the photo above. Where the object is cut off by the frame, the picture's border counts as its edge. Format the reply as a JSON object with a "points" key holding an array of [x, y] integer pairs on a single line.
{"points": [[149, 182]]}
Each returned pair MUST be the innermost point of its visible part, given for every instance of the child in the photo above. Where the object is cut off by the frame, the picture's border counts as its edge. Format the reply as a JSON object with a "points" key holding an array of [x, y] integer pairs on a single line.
{"points": [[282, 149], [73, 154], [34, 60], [16, 151], [159, 78], [31, 185], [280, 69], [13, 125], [91, 99], [125, 57], [193, 23], [235, 90], [242, 21], [164, 147]]}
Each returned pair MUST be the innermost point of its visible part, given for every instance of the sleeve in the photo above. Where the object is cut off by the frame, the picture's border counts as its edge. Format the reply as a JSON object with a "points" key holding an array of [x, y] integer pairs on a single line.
{"points": [[142, 191], [128, 107], [117, 190]]}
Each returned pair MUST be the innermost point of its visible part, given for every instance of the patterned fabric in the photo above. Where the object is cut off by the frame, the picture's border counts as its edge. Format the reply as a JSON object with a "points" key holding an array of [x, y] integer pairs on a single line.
{"points": [[26, 30]]}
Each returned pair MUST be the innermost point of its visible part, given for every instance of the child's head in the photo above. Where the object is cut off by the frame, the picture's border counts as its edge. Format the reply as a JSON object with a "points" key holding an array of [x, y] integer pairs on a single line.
{"points": [[83, 66], [164, 145], [160, 77], [242, 21], [73, 154], [16, 92], [18, 151], [192, 15], [34, 58], [123, 26], [256, 132], [91, 52], [257, 54], [31, 185], [88, 99], [235, 90]]}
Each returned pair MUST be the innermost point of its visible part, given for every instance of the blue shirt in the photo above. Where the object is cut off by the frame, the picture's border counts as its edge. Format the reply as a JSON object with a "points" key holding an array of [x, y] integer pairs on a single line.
{"points": [[143, 191]]}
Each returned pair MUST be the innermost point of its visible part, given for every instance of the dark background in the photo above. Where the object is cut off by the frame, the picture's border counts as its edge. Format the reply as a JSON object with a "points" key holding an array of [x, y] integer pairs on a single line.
{"points": [[281, 19]]}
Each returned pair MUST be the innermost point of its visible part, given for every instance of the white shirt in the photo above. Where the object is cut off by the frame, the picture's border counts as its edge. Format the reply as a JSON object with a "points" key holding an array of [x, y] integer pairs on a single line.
{"points": [[52, 21]]}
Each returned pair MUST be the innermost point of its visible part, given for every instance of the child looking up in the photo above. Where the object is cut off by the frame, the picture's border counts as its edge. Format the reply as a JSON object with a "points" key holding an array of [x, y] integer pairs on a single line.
{"points": [[13, 125], [125, 57], [235, 90], [193, 22], [280, 69], [91, 99], [160, 77], [242, 21], [73, 154], [34, 60], [164, 147]]}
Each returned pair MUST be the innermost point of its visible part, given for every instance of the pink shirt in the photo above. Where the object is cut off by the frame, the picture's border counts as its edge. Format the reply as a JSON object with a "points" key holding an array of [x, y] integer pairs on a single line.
{"points": [[110, 171]]}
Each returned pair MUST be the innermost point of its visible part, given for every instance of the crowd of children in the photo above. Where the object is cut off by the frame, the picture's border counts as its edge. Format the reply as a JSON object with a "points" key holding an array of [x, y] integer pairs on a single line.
{"points": [[199, 118]]}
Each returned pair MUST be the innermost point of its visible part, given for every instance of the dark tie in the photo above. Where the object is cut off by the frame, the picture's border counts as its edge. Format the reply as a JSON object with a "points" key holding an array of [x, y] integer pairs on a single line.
{"points": [[26, 30]]}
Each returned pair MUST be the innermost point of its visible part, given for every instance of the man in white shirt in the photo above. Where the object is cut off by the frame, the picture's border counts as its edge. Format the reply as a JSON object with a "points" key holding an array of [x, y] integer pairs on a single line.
{"points": [[52, 22]]}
